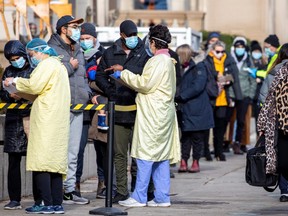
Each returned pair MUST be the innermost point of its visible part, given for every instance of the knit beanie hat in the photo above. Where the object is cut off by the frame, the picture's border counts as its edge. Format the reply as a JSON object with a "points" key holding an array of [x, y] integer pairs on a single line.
{"points": [[89, 29], [273, 40], [239, 41], [213, 35], [255, 46]]}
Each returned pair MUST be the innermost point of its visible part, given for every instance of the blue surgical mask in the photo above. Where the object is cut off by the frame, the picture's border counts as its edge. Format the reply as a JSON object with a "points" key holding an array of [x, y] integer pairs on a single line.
{"points": [[86, 44], [239, 51], [19, 63], [75, 35], [256, 55], [131, 42], [35, 61], [268, 52]]}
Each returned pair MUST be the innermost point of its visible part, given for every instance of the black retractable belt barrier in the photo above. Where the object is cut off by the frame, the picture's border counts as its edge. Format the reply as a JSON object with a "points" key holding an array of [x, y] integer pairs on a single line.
{"points": [[108, 209]]}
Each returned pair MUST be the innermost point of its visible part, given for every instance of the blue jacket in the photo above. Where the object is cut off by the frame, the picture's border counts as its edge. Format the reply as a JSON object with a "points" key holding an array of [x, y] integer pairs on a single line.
{"points": [[196, 110]]}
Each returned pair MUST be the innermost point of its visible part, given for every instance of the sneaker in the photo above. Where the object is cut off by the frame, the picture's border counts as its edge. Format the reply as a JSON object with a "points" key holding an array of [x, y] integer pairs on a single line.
{"points": [[13, 205], [35, 209], [72, 198], [283, 198], [102, 194], [58, 209], [152, 203], [47, 210], [130, 202], [119, 197]]}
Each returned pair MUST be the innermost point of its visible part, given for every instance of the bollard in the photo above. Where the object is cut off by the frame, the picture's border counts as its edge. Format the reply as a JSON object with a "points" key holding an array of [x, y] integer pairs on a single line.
{"points": [[108, 209]]}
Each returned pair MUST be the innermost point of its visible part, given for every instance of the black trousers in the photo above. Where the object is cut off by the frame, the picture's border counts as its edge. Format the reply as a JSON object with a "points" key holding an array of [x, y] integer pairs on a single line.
{"points": [[282, 153], [14, 176], [195, 140], [219, 130], [241, 110], [48, 187]]}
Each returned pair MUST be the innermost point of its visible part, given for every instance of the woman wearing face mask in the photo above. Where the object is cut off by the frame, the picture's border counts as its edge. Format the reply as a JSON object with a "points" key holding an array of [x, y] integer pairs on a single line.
{"points": [[218, 61], [247, 71], [15, 143], [49, 124]]}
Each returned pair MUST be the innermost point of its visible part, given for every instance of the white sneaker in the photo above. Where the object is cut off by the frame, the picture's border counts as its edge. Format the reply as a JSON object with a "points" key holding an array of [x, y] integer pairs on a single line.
{"points": [[152, 203], [130, 202]]}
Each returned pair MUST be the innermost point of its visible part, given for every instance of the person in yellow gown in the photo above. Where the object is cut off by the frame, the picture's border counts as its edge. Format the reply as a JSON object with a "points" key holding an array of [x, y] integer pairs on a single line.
{"points": [[49, 125], [155, 142]]}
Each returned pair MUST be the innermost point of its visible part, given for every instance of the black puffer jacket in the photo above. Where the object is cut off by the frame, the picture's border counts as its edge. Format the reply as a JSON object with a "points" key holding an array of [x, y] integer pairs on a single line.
{"points": [[15, 138], [121, 94]]}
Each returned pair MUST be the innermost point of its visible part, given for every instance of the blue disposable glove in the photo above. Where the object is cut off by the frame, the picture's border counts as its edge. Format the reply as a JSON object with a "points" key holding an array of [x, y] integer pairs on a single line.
{"points": [[116, 74], [252, 72]]}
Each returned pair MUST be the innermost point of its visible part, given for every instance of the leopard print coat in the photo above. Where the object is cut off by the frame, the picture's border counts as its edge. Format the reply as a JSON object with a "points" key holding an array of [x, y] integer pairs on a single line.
{"points": [[267, 120]]}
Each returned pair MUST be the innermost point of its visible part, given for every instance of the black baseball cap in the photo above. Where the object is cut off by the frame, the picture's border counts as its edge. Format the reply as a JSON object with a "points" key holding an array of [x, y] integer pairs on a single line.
{"points": [[128, 27], [64, 20]]}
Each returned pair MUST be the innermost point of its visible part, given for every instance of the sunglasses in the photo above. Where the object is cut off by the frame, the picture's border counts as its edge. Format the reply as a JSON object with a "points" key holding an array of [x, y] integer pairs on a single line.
{"points": [[217, 51]]}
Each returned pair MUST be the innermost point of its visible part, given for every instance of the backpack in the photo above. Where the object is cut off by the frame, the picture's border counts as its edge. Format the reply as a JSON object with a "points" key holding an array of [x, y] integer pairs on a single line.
{"points": [[211, 85]]}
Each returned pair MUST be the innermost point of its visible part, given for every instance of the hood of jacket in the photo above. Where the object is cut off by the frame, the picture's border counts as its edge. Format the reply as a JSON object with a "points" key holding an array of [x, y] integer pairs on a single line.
{"points": [[14, 48]]}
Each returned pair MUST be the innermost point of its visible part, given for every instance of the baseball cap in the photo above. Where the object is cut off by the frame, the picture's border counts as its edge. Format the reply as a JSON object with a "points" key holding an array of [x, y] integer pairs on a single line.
{"points": [[64, 20], [128, 27]]}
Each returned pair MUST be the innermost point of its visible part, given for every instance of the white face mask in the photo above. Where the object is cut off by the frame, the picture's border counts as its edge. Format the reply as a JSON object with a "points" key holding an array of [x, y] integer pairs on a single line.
{"points": [[218, 55]]}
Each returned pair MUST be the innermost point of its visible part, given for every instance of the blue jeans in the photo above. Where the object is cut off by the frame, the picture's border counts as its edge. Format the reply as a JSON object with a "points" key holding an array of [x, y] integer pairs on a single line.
{"points": [[283, 185], [83, 142]]}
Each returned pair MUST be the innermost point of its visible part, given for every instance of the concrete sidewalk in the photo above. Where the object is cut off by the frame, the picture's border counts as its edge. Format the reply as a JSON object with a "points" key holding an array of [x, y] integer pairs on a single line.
{"points": [[219, 189]]}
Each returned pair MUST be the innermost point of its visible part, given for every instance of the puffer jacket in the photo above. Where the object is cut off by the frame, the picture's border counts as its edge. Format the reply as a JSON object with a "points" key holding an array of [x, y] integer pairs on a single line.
{"points": [[122, 95], [78, 81], [15, 140]]}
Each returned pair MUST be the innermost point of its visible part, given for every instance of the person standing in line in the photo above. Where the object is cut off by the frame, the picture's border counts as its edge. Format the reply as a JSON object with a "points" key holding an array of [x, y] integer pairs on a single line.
{"points": [[49, 126], [272, 123], [156, 136], [259, 63], [129, 52], [220, 62], [248, 89], [280, 61], [92, 53], [197, 115], [65, 42], [15, 141], [212, 38]]}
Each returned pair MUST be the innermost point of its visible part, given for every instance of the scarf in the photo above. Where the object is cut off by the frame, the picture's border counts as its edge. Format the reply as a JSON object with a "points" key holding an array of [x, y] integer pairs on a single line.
{"points": [[267, 120]]}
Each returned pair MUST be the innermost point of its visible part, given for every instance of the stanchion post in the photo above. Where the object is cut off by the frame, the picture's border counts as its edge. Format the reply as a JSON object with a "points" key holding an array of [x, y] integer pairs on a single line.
{"points": [[108, 209]]}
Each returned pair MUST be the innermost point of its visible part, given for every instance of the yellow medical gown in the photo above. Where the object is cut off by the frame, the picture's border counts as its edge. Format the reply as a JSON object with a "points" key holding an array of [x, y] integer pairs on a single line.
{"points": [[156, 136], [49, 119]]}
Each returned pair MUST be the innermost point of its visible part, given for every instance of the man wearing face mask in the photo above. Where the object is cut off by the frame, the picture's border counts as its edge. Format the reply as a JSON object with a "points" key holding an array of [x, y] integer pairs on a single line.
{"points": [[271, 49], [129, 52], [248, 88], [65, 44]]}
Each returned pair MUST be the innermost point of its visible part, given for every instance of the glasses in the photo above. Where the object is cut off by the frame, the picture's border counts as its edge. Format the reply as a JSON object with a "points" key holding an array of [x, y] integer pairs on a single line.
{"points": [[74, 27], [218, 51]]}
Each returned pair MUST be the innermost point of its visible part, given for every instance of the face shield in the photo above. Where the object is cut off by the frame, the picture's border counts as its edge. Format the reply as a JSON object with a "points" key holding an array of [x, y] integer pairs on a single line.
{"points": [[147, 46]]}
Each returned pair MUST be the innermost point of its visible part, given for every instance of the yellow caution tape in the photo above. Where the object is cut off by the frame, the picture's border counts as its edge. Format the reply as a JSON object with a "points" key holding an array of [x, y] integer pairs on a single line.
{"points": [[72, 107]]}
